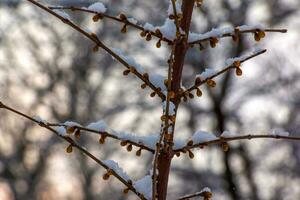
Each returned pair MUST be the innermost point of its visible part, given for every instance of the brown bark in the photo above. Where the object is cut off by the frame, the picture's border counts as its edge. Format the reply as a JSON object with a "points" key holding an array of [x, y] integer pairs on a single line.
{"points": [[181, 46]]}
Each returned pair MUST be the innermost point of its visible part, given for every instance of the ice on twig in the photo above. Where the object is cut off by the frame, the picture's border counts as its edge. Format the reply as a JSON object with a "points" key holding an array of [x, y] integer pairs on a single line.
{"points": [[62, 14], [132, 20], [40, 120], [148, 141], [71, 124], [171, 107], [149, 27], [97, 7], [144, 186], [280, 132], [168, 29], [208, 72], [177, 6], [230, 61], [131, 61], [202, 136], [61, 130], [116, 168], [227, 134], [100, 126]]}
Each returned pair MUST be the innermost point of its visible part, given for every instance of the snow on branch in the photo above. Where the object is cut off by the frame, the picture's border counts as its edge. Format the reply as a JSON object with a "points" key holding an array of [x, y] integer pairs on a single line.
{"points": [[216, 33], [144, 186], [101, 128], [146, 30], [209, 74], [201, 139], [205, 193], [112, 167], [93, 37]]}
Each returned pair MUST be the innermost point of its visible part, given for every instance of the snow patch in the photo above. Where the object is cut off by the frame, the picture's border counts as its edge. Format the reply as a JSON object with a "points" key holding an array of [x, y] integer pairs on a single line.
{"points": [[98, 7], [116, 168], [144, 186], [100, 126]]}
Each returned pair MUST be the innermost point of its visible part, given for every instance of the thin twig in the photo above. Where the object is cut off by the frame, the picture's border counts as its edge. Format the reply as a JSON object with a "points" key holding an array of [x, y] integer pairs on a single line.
{"points": [[128, 183], [229, 139], [189, 196], [72, 8], [96, 40], [225, 69]]}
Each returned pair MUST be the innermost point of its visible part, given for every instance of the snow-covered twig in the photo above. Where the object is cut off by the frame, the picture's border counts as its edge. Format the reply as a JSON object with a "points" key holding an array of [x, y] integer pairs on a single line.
{"points": [[205, 141], [205, 192], [229, 32], [143, 142], [95, 39], [111, 168], [126, 21], [207, 77]]}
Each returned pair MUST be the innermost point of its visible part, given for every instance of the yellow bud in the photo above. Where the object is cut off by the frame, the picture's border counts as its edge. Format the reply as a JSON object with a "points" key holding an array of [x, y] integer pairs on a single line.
{"points": [[190, 143], [177, 154], [198, 81], [139, 152], [143, 34], [238, 71], [126, 190], [152, 94], [256, 37], [122, 17], [211, 83], [148, 37], [144, 85], [124, 29], [225, 146], [158, 44], [95, 48], [191, 95], [123, 143], [172, 94], [132, 69], [191, 155], [102, 139], [69, 149], [126, 72], [129, 147], [199, 93], [77, 134], [97, 17], [70, 130], [261, 34], [105, 176]]}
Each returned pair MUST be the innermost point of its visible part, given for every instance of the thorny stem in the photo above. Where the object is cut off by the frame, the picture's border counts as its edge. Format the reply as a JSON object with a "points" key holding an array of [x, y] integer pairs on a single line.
{"points": [[128, 183], [109, 17], [96, 40]]}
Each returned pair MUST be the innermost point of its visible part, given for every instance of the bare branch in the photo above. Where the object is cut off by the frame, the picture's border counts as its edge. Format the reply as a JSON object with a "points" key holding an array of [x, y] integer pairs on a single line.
{"points": [[127, 183], [96, 40]]}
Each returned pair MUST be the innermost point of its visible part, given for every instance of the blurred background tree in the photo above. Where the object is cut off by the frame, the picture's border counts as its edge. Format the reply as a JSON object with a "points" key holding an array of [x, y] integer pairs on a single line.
{"points": [[49, 70]]}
